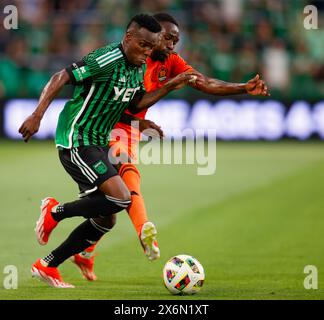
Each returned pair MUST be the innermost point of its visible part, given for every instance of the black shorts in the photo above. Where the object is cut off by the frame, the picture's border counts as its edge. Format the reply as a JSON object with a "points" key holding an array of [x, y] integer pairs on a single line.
{"points": [[88, 166]]}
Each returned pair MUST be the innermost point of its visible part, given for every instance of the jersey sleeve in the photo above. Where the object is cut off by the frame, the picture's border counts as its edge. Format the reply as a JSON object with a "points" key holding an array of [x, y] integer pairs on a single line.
{"points": [[94, 65], [179, 65], [78, 72]]}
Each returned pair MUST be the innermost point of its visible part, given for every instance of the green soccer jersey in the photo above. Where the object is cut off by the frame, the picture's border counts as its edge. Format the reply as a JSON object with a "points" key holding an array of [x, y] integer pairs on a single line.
{"points": [[105, 83]]}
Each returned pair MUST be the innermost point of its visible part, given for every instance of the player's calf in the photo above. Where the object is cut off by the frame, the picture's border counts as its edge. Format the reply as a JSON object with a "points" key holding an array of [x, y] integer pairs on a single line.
{"points": [[85, 259]]}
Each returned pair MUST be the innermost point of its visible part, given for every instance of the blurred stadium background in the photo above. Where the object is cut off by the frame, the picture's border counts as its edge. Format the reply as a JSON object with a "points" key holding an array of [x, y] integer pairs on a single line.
{"points": [[230, 40], [262, 210]]}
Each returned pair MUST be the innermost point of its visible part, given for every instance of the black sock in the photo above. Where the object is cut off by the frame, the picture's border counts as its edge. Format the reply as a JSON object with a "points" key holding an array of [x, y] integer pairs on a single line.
{"points": [[92, 206], [57, 215], [86, 234]]}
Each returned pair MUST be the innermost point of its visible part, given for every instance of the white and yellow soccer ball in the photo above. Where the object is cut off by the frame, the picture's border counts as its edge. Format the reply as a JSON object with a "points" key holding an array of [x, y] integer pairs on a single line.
{"points": [[183, 274]]}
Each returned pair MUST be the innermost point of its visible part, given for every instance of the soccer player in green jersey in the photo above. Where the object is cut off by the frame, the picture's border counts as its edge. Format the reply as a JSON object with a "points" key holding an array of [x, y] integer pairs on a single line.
{"points": [[107, 81], [163, 64]]}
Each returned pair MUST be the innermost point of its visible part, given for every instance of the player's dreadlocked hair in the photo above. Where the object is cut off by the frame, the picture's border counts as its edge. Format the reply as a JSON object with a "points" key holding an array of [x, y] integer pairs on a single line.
{"points": [[146, 21], [165, 17]]}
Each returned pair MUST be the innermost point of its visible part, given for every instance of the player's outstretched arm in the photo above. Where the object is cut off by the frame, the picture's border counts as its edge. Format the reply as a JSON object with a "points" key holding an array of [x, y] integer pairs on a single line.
{"points": [[255, 86], [31, 125], [149, 98]]}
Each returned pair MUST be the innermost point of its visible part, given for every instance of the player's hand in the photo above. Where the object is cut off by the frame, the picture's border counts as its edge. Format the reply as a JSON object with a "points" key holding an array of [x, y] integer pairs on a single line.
{"points": [[29, 127], [150, 129], [181, 80], [256, 87], [197, 80]]}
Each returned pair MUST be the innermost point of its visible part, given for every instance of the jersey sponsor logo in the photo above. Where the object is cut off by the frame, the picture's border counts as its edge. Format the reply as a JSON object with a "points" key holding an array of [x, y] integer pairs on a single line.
{"points": [[126, 94], [100, 167], [162, 75]]}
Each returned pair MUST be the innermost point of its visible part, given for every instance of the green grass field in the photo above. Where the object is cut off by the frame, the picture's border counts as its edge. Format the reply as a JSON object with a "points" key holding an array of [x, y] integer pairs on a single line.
{"points": [[254, 225]]}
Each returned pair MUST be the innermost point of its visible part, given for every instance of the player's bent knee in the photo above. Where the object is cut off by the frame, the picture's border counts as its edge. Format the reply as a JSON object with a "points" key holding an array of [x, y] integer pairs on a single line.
{"points": [[116, 189], [121, 202], [125, 195], [106, 205]]}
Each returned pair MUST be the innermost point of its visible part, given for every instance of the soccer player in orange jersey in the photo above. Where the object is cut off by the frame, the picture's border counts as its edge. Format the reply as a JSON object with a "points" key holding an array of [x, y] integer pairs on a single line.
{"points": [[163, 65]]}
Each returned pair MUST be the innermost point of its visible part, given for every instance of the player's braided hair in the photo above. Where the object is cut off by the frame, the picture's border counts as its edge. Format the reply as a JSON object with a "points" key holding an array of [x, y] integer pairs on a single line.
{"points": [[146, 21], [165, 17]]}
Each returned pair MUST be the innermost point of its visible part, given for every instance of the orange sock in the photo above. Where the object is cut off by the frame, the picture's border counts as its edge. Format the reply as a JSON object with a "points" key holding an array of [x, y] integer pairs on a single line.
{"points": [[137, 210]]}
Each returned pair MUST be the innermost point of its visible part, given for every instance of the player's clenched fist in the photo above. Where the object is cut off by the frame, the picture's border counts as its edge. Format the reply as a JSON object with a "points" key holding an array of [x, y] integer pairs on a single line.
{"points": [[257, 86], [29, 127]]}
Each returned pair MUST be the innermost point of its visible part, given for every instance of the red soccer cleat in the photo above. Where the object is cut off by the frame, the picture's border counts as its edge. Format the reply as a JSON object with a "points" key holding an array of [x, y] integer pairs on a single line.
{"points": [[45, 224], [49, 275], [86, 265]]}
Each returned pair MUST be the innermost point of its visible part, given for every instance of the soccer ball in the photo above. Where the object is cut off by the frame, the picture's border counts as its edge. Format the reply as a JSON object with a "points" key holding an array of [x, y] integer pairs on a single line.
{"points": [[183, 274]]}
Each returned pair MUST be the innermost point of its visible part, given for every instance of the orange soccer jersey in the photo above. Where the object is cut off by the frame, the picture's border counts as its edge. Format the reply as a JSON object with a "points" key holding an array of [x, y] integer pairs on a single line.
{"points": [[125, 139]]}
